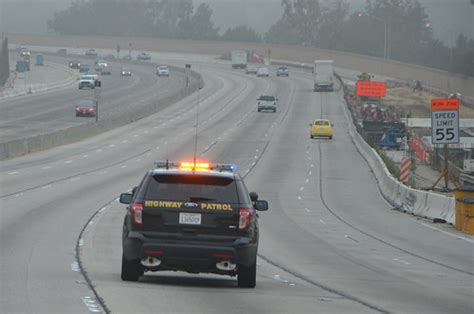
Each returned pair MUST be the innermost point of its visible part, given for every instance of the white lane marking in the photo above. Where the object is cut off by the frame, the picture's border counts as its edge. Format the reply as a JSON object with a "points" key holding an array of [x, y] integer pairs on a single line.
{"points": [[81, 242], [256, 157], [91, 304], [136, 135], [85, 156], [112, 145], [145, 132], [312, 166], [104, 172], [299, 198], [306, 181], [157, 147], [125, 141], [13, 172], [18, 194], [75, 267], [456, 236], [256, 150], [322, 221], [401, 261], [138, 160], [307, 210], [278, 278], [124, 166], [302, 188], [46, 167], [68, 161], [310, 172], [155, 127], [47, 186], [98, 150]]}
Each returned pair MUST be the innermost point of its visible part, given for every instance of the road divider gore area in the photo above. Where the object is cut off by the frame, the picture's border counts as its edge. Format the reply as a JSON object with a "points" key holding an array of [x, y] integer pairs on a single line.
{"points": [[420, 203], [23, 146], [35, 88]]}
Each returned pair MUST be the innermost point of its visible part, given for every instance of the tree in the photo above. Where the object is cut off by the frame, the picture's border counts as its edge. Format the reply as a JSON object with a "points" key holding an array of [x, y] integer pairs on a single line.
{"points": [[282, 32], [201, 25], [241, 33], [305, 17]]}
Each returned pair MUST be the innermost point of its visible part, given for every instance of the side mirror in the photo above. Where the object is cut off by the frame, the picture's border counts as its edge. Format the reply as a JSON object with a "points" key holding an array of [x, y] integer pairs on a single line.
{"points": [[126, 198], [261, 205], [253, 196], [332, 124]]}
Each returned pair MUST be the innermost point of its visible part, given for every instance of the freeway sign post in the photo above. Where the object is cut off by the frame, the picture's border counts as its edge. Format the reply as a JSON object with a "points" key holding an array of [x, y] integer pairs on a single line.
{"points": [[444, 128], [445, 121]]}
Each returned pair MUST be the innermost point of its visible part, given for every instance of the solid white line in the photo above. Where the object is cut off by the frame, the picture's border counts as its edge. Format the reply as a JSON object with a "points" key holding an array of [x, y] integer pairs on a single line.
{"points": [[456, 236], [13, 172], [68, 161], [299, 198], [322, 221], [46, 167], [85, 156]]}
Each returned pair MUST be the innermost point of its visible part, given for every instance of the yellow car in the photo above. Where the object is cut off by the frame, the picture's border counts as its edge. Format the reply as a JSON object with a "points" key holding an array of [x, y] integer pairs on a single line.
{"points": [[321, 128]]}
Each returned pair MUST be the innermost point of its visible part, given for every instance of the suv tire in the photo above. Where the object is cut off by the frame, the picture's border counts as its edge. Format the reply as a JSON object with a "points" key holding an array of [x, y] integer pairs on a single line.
{"points": [[246, 276], [131, 270]]}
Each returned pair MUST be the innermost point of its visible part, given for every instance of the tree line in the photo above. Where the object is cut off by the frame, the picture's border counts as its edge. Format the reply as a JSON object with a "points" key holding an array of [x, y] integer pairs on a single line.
{"points": [[393, 29]]}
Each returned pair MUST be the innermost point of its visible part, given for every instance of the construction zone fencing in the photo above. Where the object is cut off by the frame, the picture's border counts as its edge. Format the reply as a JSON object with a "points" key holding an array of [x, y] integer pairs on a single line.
{"points": [[420, 203], [4, 63]]}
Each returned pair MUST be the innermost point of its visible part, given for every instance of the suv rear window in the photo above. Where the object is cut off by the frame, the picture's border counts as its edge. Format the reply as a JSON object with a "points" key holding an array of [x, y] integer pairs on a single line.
{"points": [[192, 188], [267, 98]]}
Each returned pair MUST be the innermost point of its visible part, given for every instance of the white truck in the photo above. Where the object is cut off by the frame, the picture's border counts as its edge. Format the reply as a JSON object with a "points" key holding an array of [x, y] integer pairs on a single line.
{"points": [[323, 75], [239, 59]]}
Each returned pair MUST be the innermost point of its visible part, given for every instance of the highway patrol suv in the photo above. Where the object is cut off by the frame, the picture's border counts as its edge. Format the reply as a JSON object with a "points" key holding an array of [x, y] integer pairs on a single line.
{"points": [[192, 217]]}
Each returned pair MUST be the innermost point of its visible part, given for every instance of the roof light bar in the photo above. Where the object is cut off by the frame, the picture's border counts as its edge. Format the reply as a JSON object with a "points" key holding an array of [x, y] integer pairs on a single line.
{"points": [[198, 166]]}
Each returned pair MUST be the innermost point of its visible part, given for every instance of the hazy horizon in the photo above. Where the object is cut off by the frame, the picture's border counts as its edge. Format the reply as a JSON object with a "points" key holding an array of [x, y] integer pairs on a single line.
{"points": [[448, 17]]}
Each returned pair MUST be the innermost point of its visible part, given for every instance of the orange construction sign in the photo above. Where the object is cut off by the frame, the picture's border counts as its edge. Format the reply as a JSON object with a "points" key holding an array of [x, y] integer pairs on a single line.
{"points": [[445, 104], [371, 89]]}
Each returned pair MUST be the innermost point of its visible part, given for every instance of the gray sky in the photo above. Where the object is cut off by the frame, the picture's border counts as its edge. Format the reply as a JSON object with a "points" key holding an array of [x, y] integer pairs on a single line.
{"points": [[448, 17]]}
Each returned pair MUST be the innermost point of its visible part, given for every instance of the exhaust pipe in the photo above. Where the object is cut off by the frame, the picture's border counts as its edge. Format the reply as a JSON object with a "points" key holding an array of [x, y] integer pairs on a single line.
{"points": [[226, 265], [150, 261]]}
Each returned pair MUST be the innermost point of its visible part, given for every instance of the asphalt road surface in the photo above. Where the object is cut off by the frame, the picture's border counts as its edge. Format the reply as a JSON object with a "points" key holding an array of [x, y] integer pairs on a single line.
{"points": [[329, 242], [37, 114]]}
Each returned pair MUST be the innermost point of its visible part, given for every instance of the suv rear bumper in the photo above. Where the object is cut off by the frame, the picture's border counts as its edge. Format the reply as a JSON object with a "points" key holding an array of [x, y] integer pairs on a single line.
{"points": [[189, 255]]}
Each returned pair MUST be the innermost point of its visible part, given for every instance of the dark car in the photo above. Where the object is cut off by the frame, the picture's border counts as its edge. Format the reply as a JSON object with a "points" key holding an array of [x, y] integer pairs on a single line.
{"points": [[85, 108], [91, 53], [283, 71], [143, 56], [84, 68], [74, 64], [197, 218]]}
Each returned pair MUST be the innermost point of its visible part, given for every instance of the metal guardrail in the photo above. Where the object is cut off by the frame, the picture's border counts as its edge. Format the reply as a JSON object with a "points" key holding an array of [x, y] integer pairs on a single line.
{"points": [[466, 178]]}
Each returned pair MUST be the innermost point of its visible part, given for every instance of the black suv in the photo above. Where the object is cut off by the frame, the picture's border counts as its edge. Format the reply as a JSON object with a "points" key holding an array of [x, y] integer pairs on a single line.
{"points": [[197, 218]]}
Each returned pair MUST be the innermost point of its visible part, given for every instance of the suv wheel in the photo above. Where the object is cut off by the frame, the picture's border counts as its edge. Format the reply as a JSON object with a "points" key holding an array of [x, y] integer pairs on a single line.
{"points": [[246, 276], [131, 270]]}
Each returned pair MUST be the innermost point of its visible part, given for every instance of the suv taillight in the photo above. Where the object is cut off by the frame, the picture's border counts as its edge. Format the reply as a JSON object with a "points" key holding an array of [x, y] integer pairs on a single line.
{"points": [[245, 218], [136, 211]]}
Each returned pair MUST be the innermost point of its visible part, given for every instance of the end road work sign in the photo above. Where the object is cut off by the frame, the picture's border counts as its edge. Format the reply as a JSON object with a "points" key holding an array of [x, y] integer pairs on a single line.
{"points": [[445, 121]]}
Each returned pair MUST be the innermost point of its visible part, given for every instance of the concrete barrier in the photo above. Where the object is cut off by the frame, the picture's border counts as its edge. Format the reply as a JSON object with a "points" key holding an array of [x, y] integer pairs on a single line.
{"points": [[76, 133], [420, 203]]}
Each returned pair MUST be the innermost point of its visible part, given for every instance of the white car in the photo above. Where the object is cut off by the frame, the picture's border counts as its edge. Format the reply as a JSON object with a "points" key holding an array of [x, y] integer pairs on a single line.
{"points": [[162, 70], [251, 69], [263, 72], [86, 81]]}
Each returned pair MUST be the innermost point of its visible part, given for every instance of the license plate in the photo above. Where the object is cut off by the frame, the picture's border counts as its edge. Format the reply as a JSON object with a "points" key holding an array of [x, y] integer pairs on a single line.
{"points": [[190, 218]]}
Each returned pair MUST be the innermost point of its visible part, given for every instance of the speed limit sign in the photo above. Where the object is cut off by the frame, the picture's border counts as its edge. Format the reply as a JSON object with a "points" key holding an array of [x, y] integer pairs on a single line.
{"points": [[445, 121]]}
